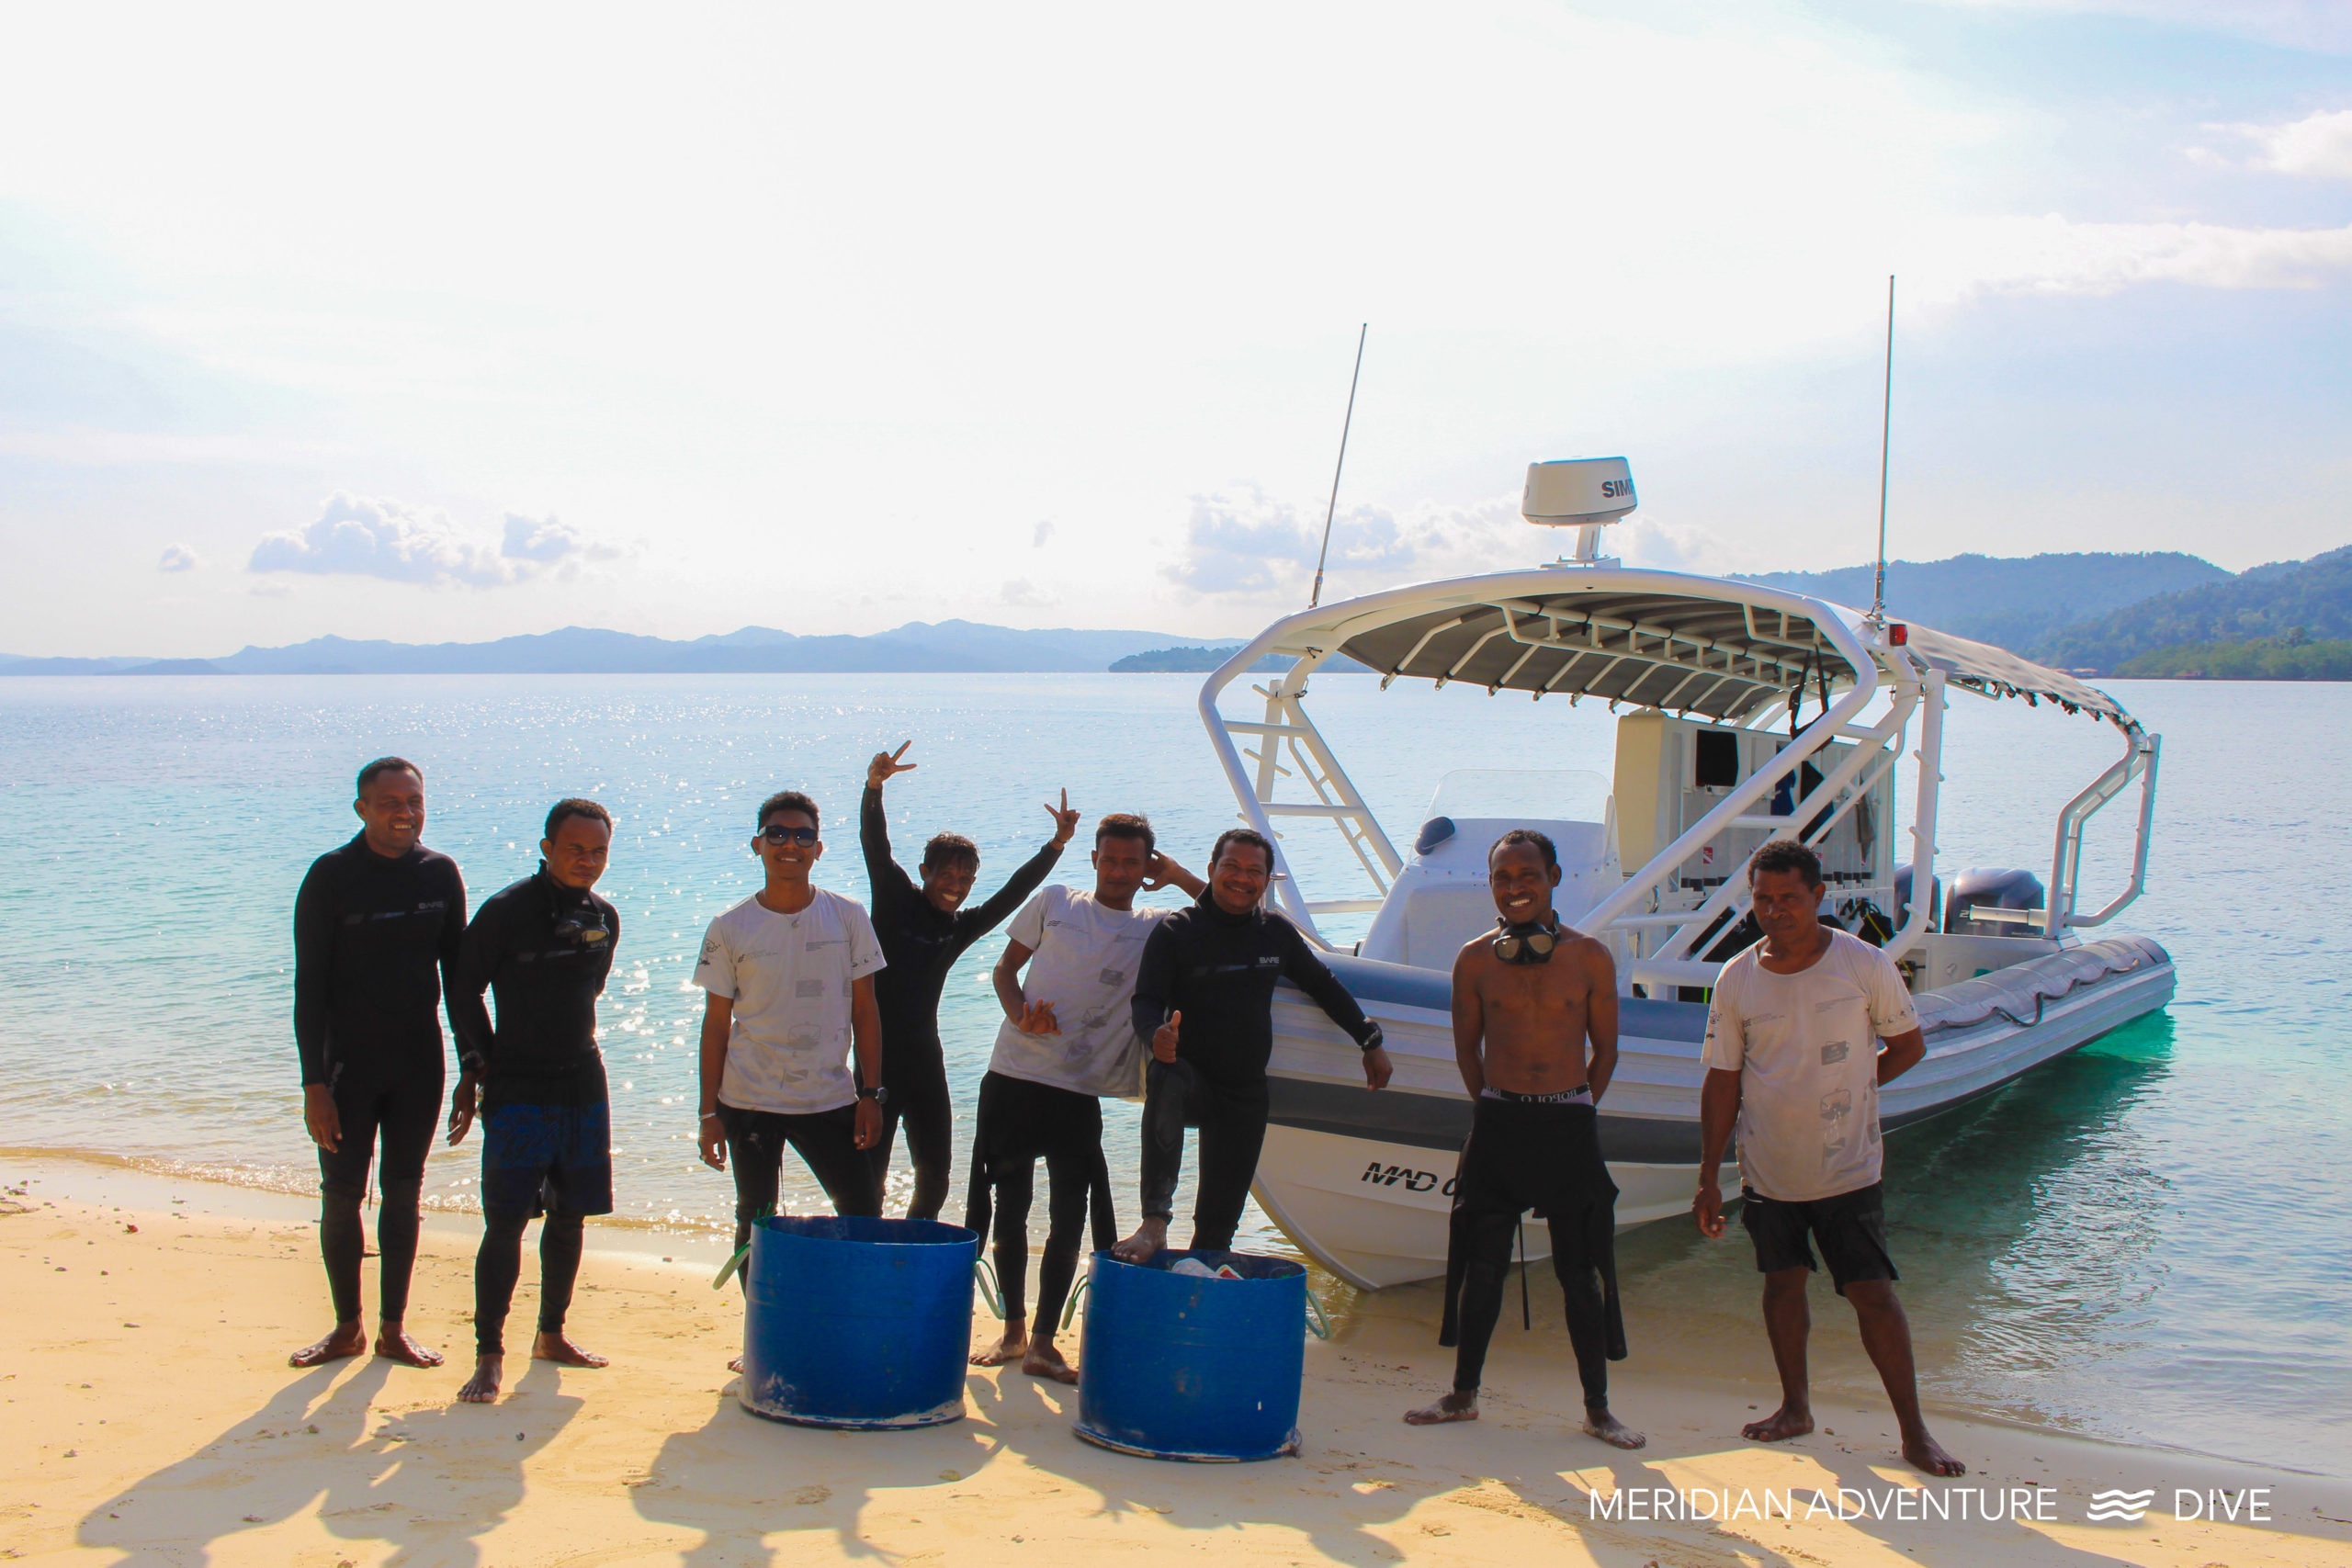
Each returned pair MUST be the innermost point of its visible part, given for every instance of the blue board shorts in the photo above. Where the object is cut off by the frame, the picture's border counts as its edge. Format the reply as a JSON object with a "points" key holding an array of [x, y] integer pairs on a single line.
{"points": [[538, 1159]]}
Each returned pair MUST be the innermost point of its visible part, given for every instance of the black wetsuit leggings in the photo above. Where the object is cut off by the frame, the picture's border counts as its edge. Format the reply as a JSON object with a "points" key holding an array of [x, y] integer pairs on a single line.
{"points": [[1018, 1123], [922, 1104], [499, 1264], [1518, 1158], [401, 1100], [828, 1143], [1233, 1128]]}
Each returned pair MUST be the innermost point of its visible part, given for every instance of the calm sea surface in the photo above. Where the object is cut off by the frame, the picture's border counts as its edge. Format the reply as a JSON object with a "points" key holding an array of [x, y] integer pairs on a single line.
{"points": [[2146, 1239]]}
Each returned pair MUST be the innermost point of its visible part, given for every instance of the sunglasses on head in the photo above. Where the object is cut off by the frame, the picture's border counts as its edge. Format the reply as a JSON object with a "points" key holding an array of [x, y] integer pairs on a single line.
{"points": [[777, 833]]}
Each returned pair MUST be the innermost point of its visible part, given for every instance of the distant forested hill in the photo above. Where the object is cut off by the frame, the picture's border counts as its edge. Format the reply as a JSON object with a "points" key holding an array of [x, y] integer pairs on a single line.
{"points": [[2289, 608], [2018, 602]]}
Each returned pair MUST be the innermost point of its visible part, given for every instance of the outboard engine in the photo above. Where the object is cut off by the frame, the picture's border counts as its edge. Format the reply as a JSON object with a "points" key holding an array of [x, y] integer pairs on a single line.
{"points": [[1903, 899], [1987, 887]]}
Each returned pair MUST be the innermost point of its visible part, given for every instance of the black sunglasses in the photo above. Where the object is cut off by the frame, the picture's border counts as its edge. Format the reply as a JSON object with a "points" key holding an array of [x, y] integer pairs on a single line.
{"points": [[777, 833]]}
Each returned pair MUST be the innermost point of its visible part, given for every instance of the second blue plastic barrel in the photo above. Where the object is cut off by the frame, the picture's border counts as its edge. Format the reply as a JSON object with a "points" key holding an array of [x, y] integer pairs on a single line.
{"points": [[1182, 1368], [857, 1323]]}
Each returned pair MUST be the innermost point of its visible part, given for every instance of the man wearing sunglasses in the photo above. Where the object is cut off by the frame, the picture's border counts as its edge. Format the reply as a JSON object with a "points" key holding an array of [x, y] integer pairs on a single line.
{"points": [[789, 977], [542, 948], [924, 929], [1527, 998]]}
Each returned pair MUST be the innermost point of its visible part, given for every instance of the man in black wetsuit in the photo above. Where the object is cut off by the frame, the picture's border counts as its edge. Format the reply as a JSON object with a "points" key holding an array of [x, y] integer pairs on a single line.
{"points": [[543, 948], [923, 930], [1218, 961], [377, 925]]}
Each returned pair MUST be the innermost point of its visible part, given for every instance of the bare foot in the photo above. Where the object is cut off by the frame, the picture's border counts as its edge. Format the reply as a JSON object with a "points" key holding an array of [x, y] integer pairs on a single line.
{"points": [[1599, 1423], [1149, 1240], [394, 1343], [735, 1366], [1454, 1406], [348, 1339], [1008, 1348], [1928, 1455], [1786, 1422], [563, 1352], [1045, 1361], [482, 1387]]}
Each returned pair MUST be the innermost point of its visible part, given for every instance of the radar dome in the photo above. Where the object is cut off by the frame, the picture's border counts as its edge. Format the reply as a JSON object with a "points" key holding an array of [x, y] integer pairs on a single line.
{"points": [[1578, 493]]}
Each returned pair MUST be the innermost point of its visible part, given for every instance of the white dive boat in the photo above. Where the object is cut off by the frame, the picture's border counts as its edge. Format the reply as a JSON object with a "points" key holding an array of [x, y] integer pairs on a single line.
{"points": [[2003, 975]]}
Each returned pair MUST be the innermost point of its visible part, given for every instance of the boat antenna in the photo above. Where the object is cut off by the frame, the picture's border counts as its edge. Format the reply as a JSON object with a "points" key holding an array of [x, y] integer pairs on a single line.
{"points": [[1330, 512], [1885, 443]]}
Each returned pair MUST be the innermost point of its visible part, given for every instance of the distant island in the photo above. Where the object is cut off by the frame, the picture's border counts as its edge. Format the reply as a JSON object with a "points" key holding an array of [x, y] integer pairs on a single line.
{"points": [[1200, 660], [2155, 614], [917, 646]]}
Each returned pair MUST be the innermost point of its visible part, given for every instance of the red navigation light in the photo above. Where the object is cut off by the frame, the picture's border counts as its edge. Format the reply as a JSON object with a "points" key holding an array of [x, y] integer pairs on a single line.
{"points": [[1897, 635]]}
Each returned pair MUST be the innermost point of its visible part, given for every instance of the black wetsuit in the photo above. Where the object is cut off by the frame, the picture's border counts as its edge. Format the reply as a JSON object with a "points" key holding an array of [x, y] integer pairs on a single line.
{"points": [[1219, 971], [1542, 1152], [543, 951], [373, 938], [921, 944], [1019, 1123]]}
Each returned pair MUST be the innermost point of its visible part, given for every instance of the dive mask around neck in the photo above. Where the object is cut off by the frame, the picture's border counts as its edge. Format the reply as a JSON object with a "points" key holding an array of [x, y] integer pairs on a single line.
{"points": [[1530, 943]]}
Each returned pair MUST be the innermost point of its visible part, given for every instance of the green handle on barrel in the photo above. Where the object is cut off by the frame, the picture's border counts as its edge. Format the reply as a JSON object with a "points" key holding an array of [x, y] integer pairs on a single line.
{"points": [[736, 1262], [730, 1266], [1070, 1308], [984, 1278], [1314, 1318]]}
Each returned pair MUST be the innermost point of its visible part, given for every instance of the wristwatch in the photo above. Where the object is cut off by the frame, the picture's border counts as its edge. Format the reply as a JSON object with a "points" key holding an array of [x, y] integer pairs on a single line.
{"points": [[1371, 1042], [878, 1094]]}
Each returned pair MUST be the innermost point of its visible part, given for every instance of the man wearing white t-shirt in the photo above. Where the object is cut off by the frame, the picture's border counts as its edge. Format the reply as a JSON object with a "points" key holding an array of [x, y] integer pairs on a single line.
{"points": [[1794, 1056], [1067, 1039], [789, 973]]}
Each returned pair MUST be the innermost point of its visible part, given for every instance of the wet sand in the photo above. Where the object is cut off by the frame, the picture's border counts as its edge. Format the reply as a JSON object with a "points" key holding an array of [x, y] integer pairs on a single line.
{"points": [[149, 1417]]}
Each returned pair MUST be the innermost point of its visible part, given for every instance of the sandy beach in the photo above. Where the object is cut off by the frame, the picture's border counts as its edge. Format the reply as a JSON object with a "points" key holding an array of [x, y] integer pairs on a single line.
{"points": [[151, 1418]]}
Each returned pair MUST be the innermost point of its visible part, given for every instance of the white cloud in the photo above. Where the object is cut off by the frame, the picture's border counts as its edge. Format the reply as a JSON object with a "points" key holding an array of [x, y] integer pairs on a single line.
{"points": [[2053, 255], [2297, 24], [2318, 146], [272, 590], [1020, 594], [359, 536], [1041, 535], [176, 557]]}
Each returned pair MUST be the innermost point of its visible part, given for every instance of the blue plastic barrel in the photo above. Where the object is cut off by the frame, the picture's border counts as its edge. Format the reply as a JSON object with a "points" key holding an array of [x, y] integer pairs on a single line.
{"points": [[1182, 1368], [855, 1322]]}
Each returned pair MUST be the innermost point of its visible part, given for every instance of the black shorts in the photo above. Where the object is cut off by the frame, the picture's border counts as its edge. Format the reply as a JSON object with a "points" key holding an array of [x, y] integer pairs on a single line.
{"points": [[1850, 1227]]}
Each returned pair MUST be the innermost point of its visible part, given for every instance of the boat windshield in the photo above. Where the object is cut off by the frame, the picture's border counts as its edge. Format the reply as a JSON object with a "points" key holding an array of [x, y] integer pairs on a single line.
{"points": [[1536, 793]]}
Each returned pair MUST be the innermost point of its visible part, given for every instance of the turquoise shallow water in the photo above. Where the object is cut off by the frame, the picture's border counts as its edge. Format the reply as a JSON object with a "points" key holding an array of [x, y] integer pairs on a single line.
{"points": [[2144, 1240]]}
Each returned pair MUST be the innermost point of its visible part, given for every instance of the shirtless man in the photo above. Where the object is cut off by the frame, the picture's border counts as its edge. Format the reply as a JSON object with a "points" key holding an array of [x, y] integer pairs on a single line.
{"points": [[1527, 996]]}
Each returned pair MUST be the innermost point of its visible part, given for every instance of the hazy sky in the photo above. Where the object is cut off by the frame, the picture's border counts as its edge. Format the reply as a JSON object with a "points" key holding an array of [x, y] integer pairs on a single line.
{"points": [[452, 323]]}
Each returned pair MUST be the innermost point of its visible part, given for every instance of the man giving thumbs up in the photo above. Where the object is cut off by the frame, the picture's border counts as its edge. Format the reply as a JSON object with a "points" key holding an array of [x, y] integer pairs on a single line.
{"points": [[1218, 963]]}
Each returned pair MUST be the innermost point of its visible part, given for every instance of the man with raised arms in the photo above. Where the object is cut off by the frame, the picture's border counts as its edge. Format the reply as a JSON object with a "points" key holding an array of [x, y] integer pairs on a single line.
{"points": [[1803, 1029], [1217, 962], [543, 948], [1528, 997], [377, 926], [923, 929], [1067, 1039], [789, 977]]}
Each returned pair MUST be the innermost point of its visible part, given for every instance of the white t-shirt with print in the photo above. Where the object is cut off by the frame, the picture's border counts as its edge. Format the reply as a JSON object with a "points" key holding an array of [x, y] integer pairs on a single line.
{"points": [[1087, 956], [1806, 1046], [789, 977]]}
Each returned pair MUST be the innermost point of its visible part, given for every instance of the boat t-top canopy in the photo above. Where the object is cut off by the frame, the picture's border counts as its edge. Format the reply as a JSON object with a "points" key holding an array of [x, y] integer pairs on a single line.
{"points": [[1718, 649], [1715, 649]]}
